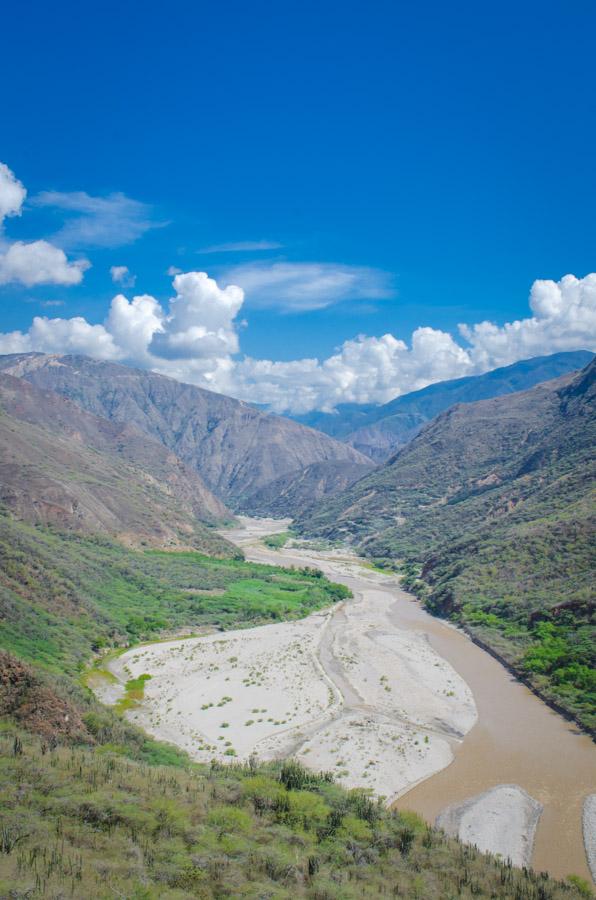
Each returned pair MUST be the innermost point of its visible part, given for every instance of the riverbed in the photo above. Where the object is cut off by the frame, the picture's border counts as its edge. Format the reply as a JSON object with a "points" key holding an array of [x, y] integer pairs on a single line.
{"points": [[385, 696], [517, 739]]}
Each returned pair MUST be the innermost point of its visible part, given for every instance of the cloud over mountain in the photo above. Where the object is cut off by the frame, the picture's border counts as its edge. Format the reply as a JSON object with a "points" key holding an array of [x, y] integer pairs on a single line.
{"points": [[195, 339]]}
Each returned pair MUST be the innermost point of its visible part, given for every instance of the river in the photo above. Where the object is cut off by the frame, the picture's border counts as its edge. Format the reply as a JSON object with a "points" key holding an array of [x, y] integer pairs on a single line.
{"points": [[517, 738]]}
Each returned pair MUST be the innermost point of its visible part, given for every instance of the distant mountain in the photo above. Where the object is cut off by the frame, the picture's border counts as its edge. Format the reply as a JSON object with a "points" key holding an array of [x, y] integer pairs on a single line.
{"points": [[378, 430], [236, 449], [64, 467], [496, 501]]}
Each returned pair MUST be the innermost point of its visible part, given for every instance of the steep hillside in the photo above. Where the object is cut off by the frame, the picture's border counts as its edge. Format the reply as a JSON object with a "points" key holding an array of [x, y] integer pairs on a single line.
{"points": [[98, 824], [235, 448], [378, 430], [495, 500], [292, 494], [62, 466]]}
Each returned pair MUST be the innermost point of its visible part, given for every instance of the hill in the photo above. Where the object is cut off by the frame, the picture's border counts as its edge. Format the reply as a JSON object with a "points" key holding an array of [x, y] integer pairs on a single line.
{"points": [[378, 430], [494, 503], [235, 448], [64, 467], [294, 493], [99, 824]]}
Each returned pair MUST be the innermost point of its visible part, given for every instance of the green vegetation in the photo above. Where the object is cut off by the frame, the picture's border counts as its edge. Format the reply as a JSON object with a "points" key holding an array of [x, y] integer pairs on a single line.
{"points": [[526, 592], [94, 824], [277, 541], [490, 516], [64, 596], [134, 693]]}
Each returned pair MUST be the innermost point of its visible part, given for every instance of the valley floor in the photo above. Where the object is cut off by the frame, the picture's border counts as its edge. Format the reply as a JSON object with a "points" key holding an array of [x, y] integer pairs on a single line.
{"points": [[360, 690]]}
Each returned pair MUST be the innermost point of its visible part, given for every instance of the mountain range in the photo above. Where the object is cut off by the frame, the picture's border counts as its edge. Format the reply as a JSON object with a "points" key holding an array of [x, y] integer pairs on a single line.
{"points": [[377, 431], [236, 449], [488, 511]]}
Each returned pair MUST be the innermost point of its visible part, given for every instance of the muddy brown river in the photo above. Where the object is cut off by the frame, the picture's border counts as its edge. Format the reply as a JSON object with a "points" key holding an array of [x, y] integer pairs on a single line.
{"points": [[517, 739]]}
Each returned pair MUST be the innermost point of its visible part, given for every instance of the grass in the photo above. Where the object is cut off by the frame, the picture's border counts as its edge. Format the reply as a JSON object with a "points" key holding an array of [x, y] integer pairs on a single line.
{"points": [[134, 693], [95, 824]]}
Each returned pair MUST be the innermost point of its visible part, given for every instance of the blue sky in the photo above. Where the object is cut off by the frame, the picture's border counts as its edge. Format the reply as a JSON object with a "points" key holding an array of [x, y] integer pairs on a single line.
{"points": [[427, 161]]}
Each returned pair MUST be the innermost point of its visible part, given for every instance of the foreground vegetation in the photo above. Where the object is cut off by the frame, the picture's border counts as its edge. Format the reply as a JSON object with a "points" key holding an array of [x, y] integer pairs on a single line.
{"points": [[64, 596], [83, 822]]}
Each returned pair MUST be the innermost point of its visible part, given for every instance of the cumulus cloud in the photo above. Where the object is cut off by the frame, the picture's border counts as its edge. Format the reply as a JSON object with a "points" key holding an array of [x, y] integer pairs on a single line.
{"points": [[195, 339], [564, 318], [200, 321], [297, 287], [242, 247], [61, 336], [364, 370], [12, 194], [111, 221], [34, 262], [122, 275], [39, 262]]}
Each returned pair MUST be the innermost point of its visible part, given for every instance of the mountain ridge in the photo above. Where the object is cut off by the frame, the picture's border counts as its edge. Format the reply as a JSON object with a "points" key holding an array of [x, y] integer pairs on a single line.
{"points": [[235, 448], [377, 430], [64, 467]]}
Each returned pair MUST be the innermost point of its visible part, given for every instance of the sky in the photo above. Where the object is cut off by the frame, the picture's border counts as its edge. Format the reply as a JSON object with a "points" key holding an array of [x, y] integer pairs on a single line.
{"points": [[299, 204]]}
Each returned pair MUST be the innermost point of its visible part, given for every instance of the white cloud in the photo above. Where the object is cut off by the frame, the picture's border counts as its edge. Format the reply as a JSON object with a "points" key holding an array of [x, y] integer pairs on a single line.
{"points": [[122, 275], [61, 336], [12, 194], [132, 326], [564, 318], [111, 221], [296, 287], [365, 370], [196, 340], [242, 247], [34, 262], [173, 270], [39, 262], [200, 322]]}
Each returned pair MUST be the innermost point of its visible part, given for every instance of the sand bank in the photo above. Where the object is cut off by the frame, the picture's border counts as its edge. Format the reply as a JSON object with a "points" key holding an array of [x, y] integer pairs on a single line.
{"points": [[502, 820], [343, 690], [589, 830]]}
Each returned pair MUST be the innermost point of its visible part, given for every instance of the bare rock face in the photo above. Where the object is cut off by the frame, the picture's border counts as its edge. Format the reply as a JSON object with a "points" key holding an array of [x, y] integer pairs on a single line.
{"points": [[234, 447], [502, 820]]}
